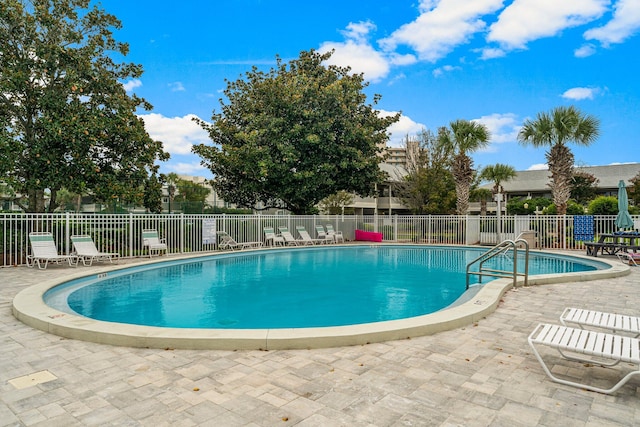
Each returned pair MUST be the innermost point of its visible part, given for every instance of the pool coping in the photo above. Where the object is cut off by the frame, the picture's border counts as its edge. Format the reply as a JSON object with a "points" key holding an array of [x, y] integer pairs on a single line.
{"points": [[28, 307]]}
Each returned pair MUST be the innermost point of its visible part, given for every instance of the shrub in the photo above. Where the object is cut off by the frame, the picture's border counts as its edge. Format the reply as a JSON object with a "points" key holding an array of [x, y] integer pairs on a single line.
{"points": [[603, 205]]}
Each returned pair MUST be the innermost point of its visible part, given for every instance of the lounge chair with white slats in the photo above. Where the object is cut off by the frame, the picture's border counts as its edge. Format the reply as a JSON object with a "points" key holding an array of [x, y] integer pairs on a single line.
{"points": [[336, 234], [271, 238], [597, 347], [228, 242], [44, 250], [153, 242], [87, 252], [288, 237], [324, 235], [306, 237], [631, 258], [614, 322]]}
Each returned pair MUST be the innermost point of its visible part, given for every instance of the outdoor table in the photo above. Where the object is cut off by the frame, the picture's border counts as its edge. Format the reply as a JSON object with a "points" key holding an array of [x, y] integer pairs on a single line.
{"points": [[612, 243]]}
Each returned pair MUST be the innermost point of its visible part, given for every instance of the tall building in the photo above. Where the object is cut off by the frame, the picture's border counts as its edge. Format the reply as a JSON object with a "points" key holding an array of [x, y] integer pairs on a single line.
{"points": [[406, 156]]}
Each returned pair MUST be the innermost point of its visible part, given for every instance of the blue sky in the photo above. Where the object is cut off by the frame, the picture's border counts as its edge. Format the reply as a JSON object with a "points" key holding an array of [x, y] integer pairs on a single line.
{"points": [[498, 62]]}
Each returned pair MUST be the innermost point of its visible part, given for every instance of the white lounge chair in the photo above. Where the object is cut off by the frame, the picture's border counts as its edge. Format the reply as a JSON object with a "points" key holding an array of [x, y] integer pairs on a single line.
{"points": [[271, 238], [44, 249], [323, 234], [153, 242], [598, 319], [228, 242], [600, 347], [306, 238], [337, 235], [631, 258], [86, 251], [287, 236]]}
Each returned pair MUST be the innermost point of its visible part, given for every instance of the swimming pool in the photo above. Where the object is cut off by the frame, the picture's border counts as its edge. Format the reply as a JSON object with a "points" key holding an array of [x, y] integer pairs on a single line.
{"points": [[292, 288], [388, 298]]}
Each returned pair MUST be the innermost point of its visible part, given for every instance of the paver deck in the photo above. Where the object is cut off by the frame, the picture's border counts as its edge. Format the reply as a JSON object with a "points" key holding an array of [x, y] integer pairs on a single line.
{"points": [[483, 374]]}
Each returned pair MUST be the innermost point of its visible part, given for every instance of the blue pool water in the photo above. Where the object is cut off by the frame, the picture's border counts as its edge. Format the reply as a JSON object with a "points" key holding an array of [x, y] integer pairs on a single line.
{"points": [[296, 288]]}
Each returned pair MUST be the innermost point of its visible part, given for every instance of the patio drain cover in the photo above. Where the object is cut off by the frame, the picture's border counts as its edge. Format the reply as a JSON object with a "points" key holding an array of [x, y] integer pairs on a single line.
{"points": [[32, 379]]}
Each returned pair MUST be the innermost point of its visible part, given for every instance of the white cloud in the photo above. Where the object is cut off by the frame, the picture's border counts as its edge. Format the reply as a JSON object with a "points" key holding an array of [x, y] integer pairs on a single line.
{"points": [[492, 53], [358, 31], [397, 59], [177, 87], [625, 23], [442, 26], [187, 168], [538, 167], [584, 51], [400, 129], [362, 58], [357, 53], [131, 85], [527, 20], [503, 127], [397, 78], [446, 68], [178, 134], [579, 93]]}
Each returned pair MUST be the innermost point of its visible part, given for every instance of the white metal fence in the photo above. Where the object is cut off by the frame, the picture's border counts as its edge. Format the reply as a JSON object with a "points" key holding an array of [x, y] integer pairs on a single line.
{"points": [[122, 233]]}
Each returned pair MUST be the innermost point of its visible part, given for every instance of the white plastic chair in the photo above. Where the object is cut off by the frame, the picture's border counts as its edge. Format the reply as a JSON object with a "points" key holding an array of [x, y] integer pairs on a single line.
{"points": [[228, 242], [153, 242], [44, 250], [306, 238], [271, 238], [337, 235], [288, 237], [599, 347], [86, 250], [324, 235]]}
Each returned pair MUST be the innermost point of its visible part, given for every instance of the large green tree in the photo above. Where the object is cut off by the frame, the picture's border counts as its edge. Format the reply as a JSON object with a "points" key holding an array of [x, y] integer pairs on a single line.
{"points": [[428, 187], [583, 187], [555, 130], [66, 120], [464, 137], [290, 137]]}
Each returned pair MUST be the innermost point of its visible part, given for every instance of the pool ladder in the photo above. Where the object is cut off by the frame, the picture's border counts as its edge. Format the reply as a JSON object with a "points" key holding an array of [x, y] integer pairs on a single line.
{"points": [[501, 249]]}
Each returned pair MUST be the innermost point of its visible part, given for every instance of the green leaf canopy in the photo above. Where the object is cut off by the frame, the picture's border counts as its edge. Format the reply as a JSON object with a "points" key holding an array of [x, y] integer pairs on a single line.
{"points": [[292, 136], [66, 120]]}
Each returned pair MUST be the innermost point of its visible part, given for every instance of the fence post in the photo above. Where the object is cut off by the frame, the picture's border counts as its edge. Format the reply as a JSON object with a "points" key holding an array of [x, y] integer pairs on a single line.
{"points": [[182, 232], [131, 234], [67, 230], [395, 227]]}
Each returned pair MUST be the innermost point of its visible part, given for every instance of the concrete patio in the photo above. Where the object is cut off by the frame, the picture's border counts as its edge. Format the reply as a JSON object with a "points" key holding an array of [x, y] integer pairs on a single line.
{"points": [[483, 374]]}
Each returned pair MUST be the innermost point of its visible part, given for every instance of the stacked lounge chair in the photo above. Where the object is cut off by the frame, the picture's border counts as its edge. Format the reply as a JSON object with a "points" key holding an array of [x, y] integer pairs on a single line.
{"points": [[591, 346]]}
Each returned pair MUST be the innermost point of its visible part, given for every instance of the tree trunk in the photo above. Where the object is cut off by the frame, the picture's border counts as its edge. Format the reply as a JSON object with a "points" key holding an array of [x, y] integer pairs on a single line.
{"points": [[36, 201], [560, 160]]}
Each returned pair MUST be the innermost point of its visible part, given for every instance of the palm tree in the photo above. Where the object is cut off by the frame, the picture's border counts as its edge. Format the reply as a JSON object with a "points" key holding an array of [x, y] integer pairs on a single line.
{"points": [[555, 129], [498, 173], [462, 138]]}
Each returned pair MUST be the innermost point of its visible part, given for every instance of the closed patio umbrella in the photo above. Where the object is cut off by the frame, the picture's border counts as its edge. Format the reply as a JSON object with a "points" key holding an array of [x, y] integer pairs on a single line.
{"points": [[623, 219]]}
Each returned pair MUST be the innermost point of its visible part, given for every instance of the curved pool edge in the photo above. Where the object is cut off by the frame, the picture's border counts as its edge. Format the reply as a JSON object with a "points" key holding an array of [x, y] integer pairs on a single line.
{"points": [[28, 307]]}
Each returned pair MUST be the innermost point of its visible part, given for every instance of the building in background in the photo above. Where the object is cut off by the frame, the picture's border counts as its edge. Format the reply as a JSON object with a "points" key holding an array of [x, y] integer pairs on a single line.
{"points": [[535, 183], [213, 200]]}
